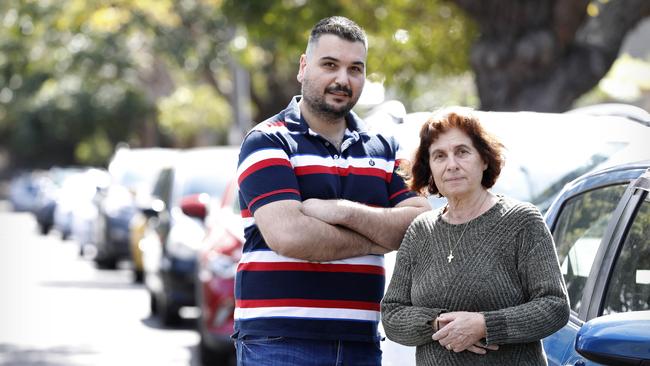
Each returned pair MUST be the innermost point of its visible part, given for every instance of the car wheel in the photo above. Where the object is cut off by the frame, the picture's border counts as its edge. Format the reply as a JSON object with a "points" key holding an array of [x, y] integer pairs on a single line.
{"points": [[153, 304], [167, 312], [210, 356], [106, 262], [138, 276], [44, 228]]}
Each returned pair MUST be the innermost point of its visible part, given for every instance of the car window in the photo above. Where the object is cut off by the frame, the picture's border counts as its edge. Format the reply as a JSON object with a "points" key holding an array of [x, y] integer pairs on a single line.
{"points": [[629, 286], [162, 188], [578, 233]]}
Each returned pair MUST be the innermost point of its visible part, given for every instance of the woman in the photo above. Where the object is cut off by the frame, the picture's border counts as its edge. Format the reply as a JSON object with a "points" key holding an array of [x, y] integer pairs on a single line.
{"points": [[477, 281]]}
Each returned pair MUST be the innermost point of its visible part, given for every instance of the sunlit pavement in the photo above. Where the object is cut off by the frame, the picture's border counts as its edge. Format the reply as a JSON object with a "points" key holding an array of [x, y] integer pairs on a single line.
{"points": [[57, 309]]}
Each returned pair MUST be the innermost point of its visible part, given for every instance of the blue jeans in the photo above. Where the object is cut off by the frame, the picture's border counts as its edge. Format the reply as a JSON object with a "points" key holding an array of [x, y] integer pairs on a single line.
{"points": [[282, 351]]}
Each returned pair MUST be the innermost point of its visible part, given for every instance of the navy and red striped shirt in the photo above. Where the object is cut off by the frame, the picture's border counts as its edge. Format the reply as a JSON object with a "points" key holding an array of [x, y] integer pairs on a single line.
{"points": [[282, 159]]}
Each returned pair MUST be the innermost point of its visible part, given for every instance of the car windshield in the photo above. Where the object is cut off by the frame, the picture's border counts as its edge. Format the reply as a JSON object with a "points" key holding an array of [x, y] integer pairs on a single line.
{"points": [[207, 171], [138, 168], [602, 153], [134, 177], [204, 182]]}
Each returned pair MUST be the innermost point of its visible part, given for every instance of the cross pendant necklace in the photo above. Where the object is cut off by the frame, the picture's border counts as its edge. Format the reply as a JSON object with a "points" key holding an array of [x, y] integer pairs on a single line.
{"points": [[450, 257], [451, 249]]}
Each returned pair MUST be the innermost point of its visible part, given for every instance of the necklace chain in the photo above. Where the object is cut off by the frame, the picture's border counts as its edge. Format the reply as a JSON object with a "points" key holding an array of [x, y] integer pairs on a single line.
{"points": [[451, 249]]}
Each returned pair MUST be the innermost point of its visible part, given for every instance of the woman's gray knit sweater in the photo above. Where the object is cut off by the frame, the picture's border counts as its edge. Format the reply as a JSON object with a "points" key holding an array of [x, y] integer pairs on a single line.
{"points": [[505, 267]]}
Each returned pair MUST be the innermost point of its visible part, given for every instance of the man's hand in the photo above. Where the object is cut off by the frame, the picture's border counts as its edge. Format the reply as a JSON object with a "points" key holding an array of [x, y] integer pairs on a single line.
{"points": [[291, 233], [324, 210], [384, 226], [462, 331]]}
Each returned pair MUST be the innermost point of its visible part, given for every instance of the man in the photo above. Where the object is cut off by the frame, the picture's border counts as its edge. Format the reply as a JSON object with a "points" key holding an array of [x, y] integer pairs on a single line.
{"points": [[323, 202]]}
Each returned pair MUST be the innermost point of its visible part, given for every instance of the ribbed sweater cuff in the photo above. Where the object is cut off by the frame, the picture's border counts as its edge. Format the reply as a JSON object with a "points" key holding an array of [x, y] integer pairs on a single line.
{"points": [[423, 322], [496, 328]]}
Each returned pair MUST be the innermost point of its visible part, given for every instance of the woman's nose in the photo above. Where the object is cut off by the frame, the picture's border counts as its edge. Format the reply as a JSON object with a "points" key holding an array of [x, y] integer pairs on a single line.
{"points": [[451, 163]]}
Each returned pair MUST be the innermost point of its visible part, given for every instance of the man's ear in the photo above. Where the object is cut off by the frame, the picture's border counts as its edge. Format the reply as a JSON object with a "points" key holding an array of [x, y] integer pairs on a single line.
{"points": [[301, 68]]}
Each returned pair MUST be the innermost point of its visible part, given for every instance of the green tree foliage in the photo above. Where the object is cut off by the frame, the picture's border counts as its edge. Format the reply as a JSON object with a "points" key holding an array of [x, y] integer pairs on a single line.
{"points": [[190, 112], [77, 76], [77, 79]]}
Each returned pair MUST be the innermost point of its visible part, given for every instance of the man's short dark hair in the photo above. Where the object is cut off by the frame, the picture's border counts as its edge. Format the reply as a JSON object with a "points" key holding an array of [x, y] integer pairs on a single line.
{"points": [[338, 26]]}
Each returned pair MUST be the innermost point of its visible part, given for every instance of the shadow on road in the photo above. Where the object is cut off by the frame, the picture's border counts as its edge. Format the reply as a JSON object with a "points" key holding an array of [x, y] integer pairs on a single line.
{"points": [[11, 355], [94, 284], [184, 324]]}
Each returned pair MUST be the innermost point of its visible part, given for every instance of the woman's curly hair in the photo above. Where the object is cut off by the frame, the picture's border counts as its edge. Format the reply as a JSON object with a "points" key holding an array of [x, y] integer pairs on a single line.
{"points": [[418, 175]]}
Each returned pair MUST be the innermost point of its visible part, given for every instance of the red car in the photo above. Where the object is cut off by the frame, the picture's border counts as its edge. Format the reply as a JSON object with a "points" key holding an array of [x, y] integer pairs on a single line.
{"points": [[216, 269]]}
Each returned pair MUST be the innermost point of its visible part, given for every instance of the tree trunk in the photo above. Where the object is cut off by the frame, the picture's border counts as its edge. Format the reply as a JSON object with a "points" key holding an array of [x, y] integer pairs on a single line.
{"points": [[541, 55]]}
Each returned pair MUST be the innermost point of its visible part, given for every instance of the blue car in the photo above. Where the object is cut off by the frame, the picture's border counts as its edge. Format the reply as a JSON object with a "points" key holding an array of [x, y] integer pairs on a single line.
{"points": [[601, 226]]}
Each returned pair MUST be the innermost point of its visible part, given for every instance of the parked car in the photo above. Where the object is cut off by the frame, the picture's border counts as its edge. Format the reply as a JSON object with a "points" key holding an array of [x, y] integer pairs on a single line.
{"points": [[75, 213], [137, 227], [601, 226], [172, 238], [24, 191], [217, 263], [50, 184], [131, 170]]}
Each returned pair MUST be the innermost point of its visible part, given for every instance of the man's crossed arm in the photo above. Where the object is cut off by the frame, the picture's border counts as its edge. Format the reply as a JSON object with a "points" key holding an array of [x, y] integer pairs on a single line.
{"points": [[326, 230]]}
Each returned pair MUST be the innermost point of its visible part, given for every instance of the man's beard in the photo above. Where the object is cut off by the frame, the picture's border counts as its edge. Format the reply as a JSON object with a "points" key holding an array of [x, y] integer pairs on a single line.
{"points": [[318, 105]]}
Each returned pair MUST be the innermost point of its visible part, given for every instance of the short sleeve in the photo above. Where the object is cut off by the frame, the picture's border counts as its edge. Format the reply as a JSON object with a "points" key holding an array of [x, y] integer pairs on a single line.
{"points": [[265, 173], [397, 189]]}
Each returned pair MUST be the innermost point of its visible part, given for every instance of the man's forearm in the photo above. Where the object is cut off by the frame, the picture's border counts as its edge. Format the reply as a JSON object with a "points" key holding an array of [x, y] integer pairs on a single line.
{"points": [[290, 233], [325, 242], [384, 226]]}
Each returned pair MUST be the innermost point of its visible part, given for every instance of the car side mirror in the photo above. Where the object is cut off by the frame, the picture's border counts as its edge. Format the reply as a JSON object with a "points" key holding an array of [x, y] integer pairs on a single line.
{"points": [[616, 339], [154, 209], [195, 205]]}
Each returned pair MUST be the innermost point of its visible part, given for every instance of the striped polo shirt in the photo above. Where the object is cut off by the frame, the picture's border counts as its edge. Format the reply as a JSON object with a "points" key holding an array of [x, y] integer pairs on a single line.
{"points": [[283, 159]]}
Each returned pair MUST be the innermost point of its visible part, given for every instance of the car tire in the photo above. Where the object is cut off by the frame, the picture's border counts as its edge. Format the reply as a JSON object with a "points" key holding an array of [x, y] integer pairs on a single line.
{"points": [[44, 228], [167, 312], [106, 262], [153, 304], [138, 276], [210, 356]]}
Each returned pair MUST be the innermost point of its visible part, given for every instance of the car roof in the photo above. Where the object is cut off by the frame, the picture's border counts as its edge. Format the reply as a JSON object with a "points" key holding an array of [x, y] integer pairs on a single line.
{"points": [[200, 156], [628, 111], [610, 175]]}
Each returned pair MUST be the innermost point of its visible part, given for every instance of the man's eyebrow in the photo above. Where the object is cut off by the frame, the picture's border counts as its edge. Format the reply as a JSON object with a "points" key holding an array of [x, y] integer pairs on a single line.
{"points": [[334, 59], [329, 58]]}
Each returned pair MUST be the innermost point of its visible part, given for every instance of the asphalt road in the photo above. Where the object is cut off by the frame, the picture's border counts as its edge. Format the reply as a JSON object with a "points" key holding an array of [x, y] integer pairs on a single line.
{"points": [[57, 309]]}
